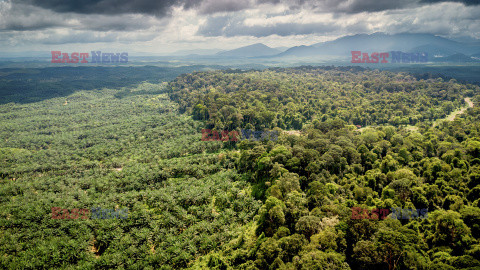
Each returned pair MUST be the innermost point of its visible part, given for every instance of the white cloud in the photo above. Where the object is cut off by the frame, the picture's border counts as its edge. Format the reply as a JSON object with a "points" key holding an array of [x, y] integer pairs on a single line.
{"points": [[228, 24]]}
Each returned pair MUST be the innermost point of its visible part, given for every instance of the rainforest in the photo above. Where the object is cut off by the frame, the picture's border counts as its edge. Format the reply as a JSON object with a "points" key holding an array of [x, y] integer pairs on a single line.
{"points": [[354, 145]]}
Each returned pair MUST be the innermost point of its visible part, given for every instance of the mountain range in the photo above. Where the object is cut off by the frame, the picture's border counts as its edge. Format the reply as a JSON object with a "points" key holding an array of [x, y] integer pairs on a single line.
{"points": [[254, 50], [437, 48]]}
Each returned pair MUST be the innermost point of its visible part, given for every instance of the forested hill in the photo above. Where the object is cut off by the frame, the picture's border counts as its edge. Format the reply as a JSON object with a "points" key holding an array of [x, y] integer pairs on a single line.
{"points": [[252, 204], [291, 98], [310, 183]]}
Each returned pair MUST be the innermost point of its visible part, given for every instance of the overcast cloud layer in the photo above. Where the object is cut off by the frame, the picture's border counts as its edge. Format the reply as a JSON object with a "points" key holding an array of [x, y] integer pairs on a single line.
{"points": [[168, 25]]}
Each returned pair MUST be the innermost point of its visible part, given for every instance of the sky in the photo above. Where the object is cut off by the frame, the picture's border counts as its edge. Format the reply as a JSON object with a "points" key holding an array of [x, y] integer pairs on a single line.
{"points": [[171, 25]]}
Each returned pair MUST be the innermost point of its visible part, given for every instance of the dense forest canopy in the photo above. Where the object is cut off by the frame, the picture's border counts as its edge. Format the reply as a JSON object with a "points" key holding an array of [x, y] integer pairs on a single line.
{"points": [[350, 138], [290, 98]]}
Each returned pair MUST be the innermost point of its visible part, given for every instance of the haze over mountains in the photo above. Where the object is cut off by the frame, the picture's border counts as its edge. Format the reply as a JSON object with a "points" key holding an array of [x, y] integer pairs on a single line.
{"points": [[381, 42], [254, 50], [438, 48]]}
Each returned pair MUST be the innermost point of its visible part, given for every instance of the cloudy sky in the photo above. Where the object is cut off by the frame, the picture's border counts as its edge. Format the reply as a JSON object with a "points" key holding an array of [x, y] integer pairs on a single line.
{"points": [[169, 25]]}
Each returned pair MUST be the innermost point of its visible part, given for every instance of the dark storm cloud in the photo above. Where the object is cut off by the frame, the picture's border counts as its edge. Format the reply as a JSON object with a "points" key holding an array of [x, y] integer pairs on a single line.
{"points": [[233, 24], [18, 26], [346, 6], [21, 17], [374, 5], [160, 8], [357, 6], [163, 7], [214, 6], [26, 18], [465, 2], [134, 15], [229, 26]]}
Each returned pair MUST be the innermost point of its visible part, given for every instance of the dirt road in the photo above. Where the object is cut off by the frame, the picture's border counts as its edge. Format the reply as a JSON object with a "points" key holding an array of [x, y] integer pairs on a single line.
{"points": [[452, 116]]}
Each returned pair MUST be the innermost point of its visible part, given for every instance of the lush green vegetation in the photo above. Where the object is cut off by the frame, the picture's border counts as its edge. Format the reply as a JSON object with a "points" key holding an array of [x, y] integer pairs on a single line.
{"points": [[25, 85], [310, 182], [289, 98], [97, 149], [282, 204]]}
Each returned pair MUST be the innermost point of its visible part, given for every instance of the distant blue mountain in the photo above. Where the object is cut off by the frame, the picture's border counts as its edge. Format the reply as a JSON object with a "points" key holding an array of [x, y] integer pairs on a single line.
{"points": [[433, 50], [380, 42], [254, 50], [301, 51], [196, 52]]}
